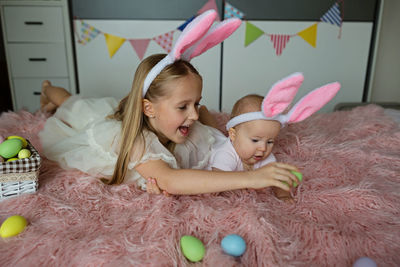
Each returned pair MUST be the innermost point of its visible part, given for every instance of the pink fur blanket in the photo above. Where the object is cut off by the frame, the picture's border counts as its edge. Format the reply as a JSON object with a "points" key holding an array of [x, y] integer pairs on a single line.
{"points": [[347, 207]]}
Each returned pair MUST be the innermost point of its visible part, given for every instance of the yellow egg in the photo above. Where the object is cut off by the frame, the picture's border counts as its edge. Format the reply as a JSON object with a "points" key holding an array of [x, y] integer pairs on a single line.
{"points": [[13, 226], [24, 142], [12, 159], [24, 153]]}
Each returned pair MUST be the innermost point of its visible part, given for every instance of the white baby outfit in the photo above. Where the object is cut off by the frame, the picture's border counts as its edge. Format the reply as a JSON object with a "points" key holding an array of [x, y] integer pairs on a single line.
{"points": [[225, 158], [79, 135]]}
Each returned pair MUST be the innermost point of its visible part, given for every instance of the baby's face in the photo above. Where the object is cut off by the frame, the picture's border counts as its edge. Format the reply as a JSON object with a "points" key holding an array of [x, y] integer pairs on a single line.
{"points": [[254, 140]]}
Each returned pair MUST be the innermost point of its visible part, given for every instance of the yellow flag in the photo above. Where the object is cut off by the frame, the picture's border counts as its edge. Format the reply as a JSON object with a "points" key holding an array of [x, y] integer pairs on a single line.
{"points": [[113, 43], [310, 35]]}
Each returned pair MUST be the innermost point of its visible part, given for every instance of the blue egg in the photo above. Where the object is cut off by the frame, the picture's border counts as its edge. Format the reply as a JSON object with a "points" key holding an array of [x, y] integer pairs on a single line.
{"points": [[364, 262], [233, 245]]}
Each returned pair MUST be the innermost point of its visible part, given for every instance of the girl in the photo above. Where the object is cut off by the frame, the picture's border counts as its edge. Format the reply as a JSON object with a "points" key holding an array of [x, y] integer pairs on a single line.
{"points": [[152, 132]]}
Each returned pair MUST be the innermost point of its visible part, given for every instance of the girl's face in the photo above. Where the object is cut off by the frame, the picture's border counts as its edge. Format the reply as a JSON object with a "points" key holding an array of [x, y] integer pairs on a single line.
{"points": [[253, 141], [174, 113]]}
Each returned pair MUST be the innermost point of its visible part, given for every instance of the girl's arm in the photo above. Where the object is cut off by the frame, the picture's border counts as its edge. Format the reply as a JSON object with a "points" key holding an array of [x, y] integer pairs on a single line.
{"points": [[189, 181]]}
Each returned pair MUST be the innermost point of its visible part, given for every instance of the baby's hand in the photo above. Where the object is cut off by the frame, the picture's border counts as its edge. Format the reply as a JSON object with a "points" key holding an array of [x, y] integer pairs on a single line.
{"points": [[152, 187], [276, 174]]}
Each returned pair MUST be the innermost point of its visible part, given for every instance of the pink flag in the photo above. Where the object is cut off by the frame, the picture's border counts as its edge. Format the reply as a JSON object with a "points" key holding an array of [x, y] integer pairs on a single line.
{"points": [[279, 41], [140, 46], [165, 40], [209, 5]]}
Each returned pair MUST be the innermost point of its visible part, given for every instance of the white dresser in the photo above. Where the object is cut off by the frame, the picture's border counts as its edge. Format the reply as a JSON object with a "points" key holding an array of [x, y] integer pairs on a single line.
{"points": [[38, 46]]}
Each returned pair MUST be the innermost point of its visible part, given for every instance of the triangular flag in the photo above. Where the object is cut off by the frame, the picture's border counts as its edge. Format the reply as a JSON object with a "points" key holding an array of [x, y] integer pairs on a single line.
{"points": [[333, 15], [88, 33], [231, 11], [113, 43], [140, 46], [209, 5], [279, 41], [252, 33], [165, 40], [183, 26], [310, 35]]}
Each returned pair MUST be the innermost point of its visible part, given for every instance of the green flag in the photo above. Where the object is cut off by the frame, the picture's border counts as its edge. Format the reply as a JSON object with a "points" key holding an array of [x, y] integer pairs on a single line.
{"points": [[252, 33]]}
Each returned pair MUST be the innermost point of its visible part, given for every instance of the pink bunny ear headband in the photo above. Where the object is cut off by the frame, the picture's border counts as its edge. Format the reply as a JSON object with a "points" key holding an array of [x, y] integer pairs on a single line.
{"points": [[197, 37], [281, 95]]}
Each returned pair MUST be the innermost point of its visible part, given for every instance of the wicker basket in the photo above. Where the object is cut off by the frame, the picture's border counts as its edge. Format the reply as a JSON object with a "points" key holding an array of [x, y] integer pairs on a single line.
{"points": [[20, 176]]}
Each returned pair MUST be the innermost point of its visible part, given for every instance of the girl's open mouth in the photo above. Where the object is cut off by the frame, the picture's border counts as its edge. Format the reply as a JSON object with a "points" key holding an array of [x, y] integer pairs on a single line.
{"points": [[184, 130], [257, 158]]}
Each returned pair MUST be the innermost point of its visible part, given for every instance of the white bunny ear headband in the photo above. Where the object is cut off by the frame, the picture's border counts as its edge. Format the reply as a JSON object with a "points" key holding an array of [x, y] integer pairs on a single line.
{"points": [[281, 95], [197, 37]]}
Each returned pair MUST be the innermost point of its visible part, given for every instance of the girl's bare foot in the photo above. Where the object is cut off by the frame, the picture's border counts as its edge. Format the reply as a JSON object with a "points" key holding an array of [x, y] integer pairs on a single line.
{"points": [[45, 104]]}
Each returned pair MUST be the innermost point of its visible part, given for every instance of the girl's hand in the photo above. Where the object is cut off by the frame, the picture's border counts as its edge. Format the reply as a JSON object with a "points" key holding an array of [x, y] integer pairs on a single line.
{"points": [[152, 187], [274, 174]]}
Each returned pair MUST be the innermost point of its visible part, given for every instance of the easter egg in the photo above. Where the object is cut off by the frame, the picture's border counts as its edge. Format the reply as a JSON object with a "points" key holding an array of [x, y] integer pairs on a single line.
{"points": [[192, 248], [12, 159], [299, 176], [364, 262], [9, 148], [24, 142], [233, 245], [24, 153], [13, 226]]}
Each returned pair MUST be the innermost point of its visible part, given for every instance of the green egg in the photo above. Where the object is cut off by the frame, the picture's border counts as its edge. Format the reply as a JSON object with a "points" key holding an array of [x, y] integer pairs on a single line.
{"points": [[298, 175], [10, 148], [192, 248]]}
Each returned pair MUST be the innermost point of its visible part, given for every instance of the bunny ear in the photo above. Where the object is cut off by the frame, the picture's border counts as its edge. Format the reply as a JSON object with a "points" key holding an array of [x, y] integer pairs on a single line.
{"points": [[312, 102], [193, 32], [214, 36], [281, 94]]}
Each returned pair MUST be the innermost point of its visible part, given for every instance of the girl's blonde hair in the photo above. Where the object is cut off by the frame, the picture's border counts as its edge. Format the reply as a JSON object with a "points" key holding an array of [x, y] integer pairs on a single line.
{"points": [[130, 110]]}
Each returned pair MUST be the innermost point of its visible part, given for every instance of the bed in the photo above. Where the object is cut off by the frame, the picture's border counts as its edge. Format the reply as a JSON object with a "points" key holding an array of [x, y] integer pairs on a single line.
{"points": [[347, 207]]}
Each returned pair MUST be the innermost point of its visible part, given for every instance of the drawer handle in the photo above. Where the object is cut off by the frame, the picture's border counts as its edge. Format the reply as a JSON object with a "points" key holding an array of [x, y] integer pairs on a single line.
{"points": [[33, 23], [37, 93], [37, 59]]}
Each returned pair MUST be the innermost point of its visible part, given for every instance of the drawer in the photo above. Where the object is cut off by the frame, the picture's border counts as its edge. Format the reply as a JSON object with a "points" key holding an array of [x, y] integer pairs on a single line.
{"points": [[27, 92], [34, 24], [34, 60]]}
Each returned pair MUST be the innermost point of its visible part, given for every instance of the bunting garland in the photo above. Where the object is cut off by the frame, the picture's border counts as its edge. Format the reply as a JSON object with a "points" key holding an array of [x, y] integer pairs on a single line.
{"points": [[88, 33], [140, 46], [310, 35], [165, 40], [231, 12], [279, 41], [113, 43], [333, 16]]}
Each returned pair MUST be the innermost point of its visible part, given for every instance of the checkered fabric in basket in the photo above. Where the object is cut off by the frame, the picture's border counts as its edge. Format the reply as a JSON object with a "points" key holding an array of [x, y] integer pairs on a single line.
{"points": [[20, 176], [30, 164]]}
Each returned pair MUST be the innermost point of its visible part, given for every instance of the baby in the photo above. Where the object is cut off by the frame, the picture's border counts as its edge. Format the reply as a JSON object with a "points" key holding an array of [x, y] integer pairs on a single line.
{"points": [[256, 121], [250, 143]]}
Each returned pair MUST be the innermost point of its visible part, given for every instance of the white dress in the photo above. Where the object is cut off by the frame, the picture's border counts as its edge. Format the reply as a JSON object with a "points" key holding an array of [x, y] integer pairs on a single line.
{"points": [[80, 136]]}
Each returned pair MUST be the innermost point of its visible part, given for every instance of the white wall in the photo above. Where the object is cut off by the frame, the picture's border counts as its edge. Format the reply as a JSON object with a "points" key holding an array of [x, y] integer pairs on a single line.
{"points": [[386, 82]]}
